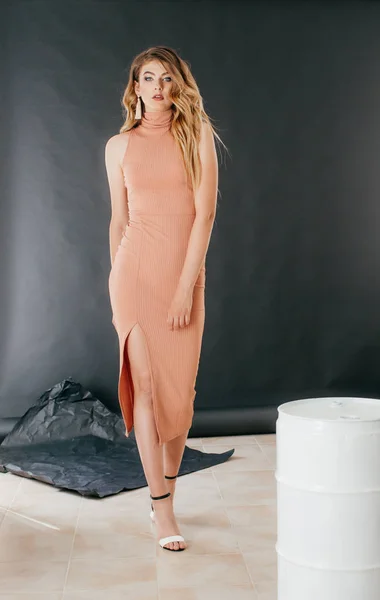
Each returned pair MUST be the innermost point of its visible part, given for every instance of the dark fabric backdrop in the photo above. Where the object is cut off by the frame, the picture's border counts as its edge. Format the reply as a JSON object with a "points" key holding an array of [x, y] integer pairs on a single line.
{"points": [[292, 289]]}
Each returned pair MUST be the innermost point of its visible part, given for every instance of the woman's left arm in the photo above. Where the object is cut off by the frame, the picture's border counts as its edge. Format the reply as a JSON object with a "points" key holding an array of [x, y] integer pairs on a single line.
{"points": [[205, 207]]}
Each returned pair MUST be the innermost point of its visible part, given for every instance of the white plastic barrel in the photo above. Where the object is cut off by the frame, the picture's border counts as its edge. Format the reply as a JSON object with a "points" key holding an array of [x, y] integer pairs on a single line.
{"points": [[328, 499]]}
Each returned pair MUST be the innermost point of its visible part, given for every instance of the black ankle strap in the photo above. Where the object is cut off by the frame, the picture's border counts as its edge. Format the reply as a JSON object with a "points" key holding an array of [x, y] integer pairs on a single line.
{"points": [[160, 497], [167, 477]]}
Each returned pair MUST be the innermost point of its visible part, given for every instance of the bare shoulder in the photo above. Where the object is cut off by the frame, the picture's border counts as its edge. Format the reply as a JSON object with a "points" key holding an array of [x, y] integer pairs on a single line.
{"points": [[117, 141], [207, 142], [116, 146]]}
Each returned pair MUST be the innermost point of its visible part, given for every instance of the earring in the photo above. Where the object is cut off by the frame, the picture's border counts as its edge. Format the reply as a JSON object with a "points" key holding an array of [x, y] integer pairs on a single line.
{"points": [[138, 108]]}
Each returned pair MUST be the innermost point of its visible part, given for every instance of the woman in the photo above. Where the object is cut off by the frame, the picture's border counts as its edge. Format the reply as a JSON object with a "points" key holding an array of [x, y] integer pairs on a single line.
{"points": [[163, 177]]}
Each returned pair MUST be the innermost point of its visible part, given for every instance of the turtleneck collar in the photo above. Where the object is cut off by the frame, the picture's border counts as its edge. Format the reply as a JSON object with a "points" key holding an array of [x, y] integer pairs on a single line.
{"points": [[156, 120]]}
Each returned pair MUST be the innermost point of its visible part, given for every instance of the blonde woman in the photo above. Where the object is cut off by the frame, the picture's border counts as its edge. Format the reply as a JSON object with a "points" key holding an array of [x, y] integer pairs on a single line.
{"points": [[162, 171]]}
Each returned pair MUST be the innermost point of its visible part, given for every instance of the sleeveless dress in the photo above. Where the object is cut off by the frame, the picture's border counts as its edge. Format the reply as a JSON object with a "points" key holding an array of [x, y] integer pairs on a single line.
{"points": [[146, 271]]}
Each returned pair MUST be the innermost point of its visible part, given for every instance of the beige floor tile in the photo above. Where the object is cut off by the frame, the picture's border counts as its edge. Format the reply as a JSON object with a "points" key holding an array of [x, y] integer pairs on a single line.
{"points": [[21, 539], [254, 527], [61, 513], [200, 515], [206, 469], [212, 591], [131, 512], [229, 440], [33, 486], [134, 505], [267, 590], [207, 530], [262, 565], [100, 595], [123, 501], [32, 576], [124, 534], [184, 569], [31, 596], [247, 487], [249, 457], [208, 540], [198, 489], [270, 452], [255, 539], [266, 438], [134, 576], [9, 485], [264, 516]]}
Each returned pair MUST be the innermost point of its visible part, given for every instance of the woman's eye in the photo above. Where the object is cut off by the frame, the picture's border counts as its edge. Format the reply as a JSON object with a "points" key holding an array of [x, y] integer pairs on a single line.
{"points": [[148, 77]]}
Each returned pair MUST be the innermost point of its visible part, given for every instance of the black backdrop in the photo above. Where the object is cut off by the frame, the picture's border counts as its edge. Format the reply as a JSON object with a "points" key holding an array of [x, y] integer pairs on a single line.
{"points": [[292, 290]]}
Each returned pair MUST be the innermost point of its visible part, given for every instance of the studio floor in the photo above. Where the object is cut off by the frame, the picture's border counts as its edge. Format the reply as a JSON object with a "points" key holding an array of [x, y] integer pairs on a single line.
{"points": [[56, 545]]}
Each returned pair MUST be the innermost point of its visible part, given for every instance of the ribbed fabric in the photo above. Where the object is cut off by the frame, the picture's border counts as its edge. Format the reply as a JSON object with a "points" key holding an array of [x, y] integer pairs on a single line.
{"points": [[146, 271]]}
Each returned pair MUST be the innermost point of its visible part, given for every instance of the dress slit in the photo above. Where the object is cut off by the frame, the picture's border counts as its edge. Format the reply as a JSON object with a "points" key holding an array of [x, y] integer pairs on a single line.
{"points": [[125, 386]]}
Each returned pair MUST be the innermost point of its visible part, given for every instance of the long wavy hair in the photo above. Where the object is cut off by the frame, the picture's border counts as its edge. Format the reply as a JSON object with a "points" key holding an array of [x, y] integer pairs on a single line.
{"points": [[187, 106]]}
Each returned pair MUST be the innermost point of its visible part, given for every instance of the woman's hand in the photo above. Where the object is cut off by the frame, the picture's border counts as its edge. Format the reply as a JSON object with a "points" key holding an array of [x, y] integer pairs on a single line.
{"points": [[180, 308]]}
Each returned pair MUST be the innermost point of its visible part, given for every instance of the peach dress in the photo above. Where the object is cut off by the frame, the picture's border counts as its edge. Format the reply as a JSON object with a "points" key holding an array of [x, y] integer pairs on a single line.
{"points": [[146, 271]]}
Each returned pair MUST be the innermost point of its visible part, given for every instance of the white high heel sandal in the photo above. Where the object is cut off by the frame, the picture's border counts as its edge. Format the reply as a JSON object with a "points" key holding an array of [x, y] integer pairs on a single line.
{"points": [[170, 538]]}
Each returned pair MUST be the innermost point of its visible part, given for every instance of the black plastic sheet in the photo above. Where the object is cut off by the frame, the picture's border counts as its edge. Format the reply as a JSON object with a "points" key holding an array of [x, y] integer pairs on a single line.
{"points": [[71, 440]]}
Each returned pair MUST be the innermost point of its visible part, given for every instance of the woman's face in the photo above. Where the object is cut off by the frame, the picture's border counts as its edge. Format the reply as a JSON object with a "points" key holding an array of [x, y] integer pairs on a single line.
{"points": [[154, 79]]}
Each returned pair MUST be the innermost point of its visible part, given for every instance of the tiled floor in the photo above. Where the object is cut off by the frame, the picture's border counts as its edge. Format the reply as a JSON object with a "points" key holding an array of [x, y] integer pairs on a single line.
{"points": [[56, 545]]}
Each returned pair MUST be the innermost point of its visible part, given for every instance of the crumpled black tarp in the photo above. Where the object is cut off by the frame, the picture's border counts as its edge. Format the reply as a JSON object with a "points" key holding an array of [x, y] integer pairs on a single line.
{"points": [[71, 440]]}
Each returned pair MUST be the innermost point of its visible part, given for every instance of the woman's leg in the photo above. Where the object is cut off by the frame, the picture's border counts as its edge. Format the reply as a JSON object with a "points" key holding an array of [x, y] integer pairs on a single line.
{"points": [[173, 452], [146, 435]]}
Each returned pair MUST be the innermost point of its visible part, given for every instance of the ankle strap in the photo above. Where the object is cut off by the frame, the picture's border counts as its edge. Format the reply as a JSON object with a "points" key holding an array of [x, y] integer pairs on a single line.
{"points": [[160, 497], [167, 477]]}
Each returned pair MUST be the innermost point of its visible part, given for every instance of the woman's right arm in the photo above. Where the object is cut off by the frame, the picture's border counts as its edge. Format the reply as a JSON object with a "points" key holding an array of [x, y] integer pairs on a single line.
{"points": [[114, 153]]}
